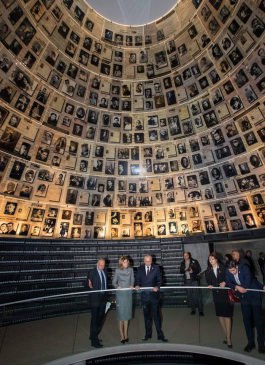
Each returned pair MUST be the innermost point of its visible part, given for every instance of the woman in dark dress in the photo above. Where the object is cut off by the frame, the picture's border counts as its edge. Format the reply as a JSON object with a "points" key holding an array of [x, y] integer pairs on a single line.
{"points": [[215, 277]]}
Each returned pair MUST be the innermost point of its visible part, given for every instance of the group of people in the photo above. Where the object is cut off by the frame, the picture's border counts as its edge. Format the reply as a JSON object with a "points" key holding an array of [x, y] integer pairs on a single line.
{"points": [[237, 272], [147, 276], [230, 280]]}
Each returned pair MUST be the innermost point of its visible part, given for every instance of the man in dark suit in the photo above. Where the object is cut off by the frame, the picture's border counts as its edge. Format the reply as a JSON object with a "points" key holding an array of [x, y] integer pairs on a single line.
{"points": [[239, 278], [148, 275], [238, 258], [97, 280]]}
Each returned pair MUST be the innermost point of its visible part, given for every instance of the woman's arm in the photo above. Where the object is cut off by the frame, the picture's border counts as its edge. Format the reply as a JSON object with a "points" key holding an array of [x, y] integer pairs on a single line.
{"points": [[132, 278]]}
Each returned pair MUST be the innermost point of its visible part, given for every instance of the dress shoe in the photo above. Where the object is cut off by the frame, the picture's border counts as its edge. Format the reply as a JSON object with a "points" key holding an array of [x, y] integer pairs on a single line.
{"points": [[126, 340], [261, 349], [97, 345], [249, 347], [163, 339], [146, 338], [123, 341], [192, 312], [201, 314], [230, 346]]}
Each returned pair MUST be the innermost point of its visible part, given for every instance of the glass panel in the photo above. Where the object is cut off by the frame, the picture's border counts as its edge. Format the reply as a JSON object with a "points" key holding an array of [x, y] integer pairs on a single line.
{"points": [[220, 313], [44, 339]]}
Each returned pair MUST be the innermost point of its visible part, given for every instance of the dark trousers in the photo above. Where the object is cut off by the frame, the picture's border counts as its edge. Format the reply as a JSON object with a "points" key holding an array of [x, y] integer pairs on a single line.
{"points": [[253, 317], [97, 318], [151, 310], [194, 295]]}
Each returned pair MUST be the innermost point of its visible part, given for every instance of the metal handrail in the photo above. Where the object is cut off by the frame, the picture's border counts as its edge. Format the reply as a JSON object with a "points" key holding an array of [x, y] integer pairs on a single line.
{"points": [[121, 289]]}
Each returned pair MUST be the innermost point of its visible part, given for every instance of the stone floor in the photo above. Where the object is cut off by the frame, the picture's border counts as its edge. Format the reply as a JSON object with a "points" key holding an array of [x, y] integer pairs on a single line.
{"points": [[38, 342]]}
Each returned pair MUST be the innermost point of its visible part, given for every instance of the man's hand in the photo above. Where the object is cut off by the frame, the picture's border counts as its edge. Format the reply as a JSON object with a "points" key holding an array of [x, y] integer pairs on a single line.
{"points": [[90, 284], [210, 286], [155, 289], [137, 287], [241, 289]]}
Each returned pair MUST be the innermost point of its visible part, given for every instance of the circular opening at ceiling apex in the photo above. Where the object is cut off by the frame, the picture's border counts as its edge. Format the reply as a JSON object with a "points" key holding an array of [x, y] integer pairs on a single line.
{"points": [[132, 12]]}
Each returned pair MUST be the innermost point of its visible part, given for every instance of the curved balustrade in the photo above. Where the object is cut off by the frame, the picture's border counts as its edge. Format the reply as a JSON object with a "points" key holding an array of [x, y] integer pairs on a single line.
{"points": [[113, 291]]}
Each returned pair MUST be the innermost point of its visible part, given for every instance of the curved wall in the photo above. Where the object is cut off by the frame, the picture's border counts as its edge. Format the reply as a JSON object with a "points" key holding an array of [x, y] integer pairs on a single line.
{"points": [[110, 131]]}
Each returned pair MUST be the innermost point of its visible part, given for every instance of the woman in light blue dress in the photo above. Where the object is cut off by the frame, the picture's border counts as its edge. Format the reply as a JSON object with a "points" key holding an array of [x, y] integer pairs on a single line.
{"points": [[124, 278]]}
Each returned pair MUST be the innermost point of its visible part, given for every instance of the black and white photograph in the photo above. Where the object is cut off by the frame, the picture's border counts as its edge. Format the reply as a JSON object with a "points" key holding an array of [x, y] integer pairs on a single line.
{"points": [[249, 221], [5, 62], [37, 215], [15, 15], [248, 183], [25, 31], [209, 226], [7, 93], [9, 139]]}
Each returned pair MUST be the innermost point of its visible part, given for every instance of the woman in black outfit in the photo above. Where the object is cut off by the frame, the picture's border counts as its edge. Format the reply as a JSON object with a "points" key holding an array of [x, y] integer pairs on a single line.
{"points": [[215, 277]]}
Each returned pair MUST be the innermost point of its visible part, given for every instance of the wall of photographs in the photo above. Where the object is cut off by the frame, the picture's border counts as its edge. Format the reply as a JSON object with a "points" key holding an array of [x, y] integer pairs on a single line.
{"points": [[116, 132]]}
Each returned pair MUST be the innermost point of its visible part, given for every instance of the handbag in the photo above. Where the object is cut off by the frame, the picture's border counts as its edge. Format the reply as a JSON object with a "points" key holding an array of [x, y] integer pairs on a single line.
{"points": [[232, 296]]}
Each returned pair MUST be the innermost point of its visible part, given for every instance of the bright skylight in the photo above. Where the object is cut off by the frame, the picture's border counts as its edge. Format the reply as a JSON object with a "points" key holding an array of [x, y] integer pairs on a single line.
{"points": [[132, 12]]}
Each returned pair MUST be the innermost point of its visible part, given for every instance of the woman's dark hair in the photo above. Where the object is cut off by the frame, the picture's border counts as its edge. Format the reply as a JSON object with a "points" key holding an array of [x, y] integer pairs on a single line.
{"points": [[188, 253], [231, 265], [228, 257], [214, 255]]}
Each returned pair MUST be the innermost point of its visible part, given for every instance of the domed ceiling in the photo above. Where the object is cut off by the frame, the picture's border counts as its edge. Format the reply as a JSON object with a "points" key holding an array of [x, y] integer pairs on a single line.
{"points": [[132, 12]]}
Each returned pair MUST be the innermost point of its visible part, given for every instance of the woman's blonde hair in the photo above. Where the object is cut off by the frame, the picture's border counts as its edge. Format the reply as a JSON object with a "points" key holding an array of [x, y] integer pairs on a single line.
{"points": [[121, 259]]}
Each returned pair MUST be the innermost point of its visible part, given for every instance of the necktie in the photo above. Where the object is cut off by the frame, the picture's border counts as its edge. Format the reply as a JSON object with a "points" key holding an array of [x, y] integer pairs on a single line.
{"points": [[148, 270], [102, 281]]}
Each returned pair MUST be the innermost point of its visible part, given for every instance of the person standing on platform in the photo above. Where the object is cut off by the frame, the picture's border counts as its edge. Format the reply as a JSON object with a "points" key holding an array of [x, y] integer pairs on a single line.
{"points": [[238, 257], [215, 276], [124, 278], [191, 269], [148, 275], [97, 280], [239, 278]]}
